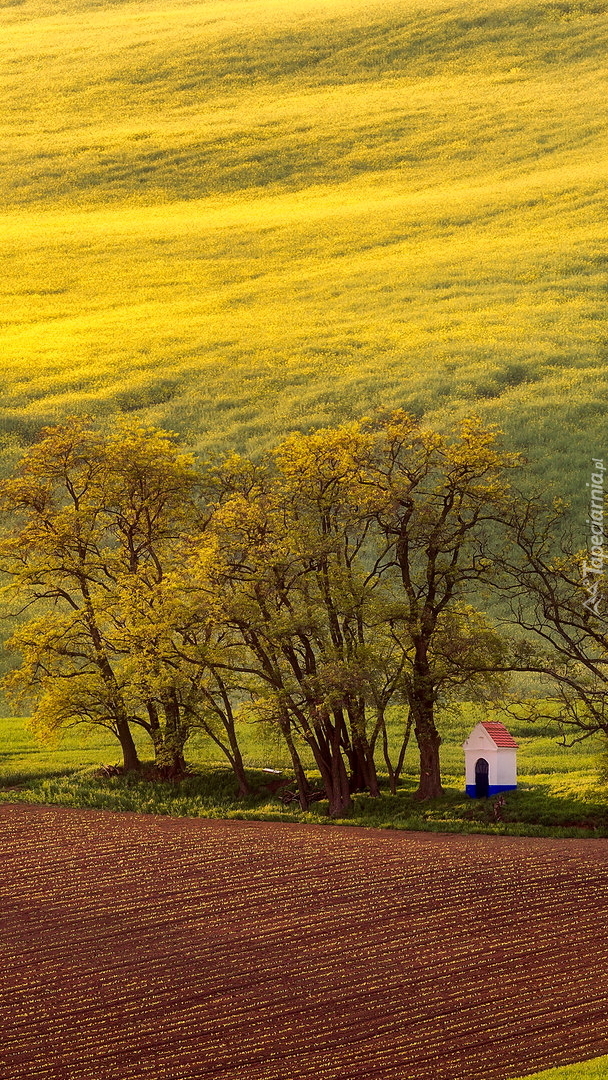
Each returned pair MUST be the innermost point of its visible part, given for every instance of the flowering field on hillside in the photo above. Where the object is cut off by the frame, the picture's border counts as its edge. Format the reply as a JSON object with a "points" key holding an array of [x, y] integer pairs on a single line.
{"points": [[245, 217]]}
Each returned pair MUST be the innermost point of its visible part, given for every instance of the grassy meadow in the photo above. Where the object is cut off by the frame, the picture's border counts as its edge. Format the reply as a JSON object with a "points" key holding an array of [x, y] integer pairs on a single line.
{"points": [[558, 795], [246, 216], [596, 1069]]}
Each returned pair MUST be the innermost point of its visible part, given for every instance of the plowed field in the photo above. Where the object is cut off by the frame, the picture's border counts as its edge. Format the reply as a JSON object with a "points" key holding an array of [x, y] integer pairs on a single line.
{"points": [[168, 949]]}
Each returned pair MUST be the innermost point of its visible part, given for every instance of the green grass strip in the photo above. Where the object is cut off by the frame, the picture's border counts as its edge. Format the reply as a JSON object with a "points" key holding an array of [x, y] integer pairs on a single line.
{"points": [[595, 1069]]}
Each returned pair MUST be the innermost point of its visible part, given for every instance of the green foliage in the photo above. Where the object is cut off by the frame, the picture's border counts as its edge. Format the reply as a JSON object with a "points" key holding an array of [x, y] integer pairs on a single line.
{"points": [[313, 590], [93, 534], [242, 218]]}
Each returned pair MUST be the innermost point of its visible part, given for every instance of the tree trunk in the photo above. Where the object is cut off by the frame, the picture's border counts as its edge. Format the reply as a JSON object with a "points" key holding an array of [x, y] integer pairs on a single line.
{"points": [[170, 758], [236, 759], [115, 699], [301, 781], [238, 769], [369, 766], [340, 802], [364, 776], [232, 752], [429, 741], [404, 745], [153, 728], [356, 780], [423, 707], [333, 774], [339, 798], [243, 786], [226, 715], [392, 779], [129, 750]]}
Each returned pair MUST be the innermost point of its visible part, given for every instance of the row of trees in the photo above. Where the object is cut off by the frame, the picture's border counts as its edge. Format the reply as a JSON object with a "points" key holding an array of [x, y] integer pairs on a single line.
{"points": [[309, 592]]}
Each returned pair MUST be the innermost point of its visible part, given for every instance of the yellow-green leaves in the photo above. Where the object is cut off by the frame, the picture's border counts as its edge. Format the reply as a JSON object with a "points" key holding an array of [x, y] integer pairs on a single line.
{"points": [[319, 585]]}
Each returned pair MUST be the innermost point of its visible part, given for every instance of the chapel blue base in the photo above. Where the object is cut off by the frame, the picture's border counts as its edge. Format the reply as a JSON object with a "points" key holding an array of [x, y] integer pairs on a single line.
{"points": [[493, 789]]}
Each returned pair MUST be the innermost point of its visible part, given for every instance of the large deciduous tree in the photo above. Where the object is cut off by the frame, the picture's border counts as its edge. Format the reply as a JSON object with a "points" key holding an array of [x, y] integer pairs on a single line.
{"points": [[434, 501], [308, 613], [319, 586], [349, 563], [95, 518]]}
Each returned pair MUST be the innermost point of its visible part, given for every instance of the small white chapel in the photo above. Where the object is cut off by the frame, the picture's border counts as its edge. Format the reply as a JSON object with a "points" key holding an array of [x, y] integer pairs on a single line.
{"points": [[490, 756]]}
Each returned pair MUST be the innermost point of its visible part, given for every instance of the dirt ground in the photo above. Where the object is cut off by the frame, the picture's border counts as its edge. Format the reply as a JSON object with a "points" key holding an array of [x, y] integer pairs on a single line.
{"points": [[149, 948]]}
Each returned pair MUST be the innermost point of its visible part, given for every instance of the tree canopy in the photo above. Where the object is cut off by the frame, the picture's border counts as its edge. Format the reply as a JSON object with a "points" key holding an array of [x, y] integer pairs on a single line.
{"points": [[313, 590]]}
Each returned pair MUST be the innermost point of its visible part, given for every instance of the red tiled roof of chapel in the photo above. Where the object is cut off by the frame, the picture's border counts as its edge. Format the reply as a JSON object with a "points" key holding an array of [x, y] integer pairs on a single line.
{"points": [[498, 733]]}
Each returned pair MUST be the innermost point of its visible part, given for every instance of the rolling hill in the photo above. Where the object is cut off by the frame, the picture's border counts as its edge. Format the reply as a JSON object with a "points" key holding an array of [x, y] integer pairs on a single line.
{"points": [[246, 216]]}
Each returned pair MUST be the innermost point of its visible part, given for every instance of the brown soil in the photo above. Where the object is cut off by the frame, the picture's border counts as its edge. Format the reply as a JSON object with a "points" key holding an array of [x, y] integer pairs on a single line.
{"points": [[150, 948]]}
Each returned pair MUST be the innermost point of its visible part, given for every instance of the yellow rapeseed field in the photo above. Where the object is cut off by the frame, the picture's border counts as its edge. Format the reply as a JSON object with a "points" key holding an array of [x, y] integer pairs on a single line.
{"points": [[247, 216]]}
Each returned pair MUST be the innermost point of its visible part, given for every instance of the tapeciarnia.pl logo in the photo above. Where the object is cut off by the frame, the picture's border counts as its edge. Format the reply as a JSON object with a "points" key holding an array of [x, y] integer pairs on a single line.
{"points": [[593, 570]]}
